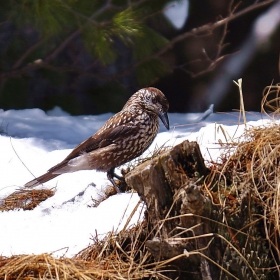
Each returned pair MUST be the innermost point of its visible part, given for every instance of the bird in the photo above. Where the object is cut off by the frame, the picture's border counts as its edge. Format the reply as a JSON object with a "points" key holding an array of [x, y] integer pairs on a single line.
{"points": [[123, 137]]}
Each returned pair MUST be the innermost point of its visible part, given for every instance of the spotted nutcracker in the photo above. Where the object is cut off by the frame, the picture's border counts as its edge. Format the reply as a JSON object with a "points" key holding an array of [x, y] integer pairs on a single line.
{"points": [[125, 136]]}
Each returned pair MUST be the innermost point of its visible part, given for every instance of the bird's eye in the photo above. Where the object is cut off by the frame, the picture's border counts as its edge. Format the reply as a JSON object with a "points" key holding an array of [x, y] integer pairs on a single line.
{"points": [[148, 98]]}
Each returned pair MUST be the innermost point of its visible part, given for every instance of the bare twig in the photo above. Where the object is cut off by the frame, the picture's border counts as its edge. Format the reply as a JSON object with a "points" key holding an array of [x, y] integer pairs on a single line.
{"points": [[196, 31], [218, 56]]}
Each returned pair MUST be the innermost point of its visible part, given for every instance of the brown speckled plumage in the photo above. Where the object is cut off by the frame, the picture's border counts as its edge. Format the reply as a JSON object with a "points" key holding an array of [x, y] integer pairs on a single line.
{"points": [[125, 136]]}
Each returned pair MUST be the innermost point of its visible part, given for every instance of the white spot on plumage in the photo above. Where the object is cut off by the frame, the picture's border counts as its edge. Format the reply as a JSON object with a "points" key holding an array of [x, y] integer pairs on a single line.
{"points": [[79, 163]]}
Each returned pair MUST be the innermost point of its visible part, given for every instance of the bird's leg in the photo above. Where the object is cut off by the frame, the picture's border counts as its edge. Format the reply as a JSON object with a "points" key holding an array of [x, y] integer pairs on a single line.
{"points": [[121, 178], [110, 176], [113, 174]]}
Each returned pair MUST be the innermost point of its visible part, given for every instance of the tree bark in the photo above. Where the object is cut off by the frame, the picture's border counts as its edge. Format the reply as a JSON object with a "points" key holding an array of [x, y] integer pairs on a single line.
{"points": [[169, 184]]}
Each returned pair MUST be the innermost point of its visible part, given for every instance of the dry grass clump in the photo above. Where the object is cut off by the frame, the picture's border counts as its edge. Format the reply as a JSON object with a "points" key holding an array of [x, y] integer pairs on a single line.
{"points": [[271, 100], [117, 256], [246, 190], [25, 199], [139, 160], [44, 266]]}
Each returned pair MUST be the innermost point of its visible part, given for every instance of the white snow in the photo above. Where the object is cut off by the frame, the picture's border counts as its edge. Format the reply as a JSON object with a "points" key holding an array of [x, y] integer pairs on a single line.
{"points": [[177, 12], [32, 141]]}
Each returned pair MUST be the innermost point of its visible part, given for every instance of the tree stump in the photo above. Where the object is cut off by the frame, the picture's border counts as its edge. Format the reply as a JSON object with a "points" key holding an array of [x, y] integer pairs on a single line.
{"points": [[169, 184]]}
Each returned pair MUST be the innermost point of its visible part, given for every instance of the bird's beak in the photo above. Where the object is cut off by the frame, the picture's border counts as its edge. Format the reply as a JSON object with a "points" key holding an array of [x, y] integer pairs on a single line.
{"points": [[164, 119]]}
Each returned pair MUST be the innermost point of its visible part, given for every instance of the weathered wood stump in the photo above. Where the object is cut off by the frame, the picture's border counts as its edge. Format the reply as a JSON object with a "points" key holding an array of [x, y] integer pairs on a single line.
{"points": [[169, 184]]}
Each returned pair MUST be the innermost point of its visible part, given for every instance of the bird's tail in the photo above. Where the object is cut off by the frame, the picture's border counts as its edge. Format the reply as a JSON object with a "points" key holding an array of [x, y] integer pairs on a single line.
{"points": [[40, 180]]}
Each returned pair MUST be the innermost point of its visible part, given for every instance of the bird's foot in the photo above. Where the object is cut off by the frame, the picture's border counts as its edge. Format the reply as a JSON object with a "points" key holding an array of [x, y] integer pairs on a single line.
{"points": [[110, 176], [122, 186]]}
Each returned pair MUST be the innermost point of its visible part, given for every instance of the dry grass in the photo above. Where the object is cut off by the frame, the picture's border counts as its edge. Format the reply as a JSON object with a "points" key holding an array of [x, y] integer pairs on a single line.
{"points": [[25, 199], [139, 160], [44, 266], [117, 256], [271, 100], [246, 188]]}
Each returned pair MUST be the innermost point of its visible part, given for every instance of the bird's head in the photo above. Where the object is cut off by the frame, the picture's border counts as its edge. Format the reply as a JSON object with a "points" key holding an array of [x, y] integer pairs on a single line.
{"points": [[152, 100]]}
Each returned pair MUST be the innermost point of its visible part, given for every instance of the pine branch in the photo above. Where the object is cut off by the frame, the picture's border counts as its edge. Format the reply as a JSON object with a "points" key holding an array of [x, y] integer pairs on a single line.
{"points": [[28, 52], [16, 71], [62, 46], [45, 62]]}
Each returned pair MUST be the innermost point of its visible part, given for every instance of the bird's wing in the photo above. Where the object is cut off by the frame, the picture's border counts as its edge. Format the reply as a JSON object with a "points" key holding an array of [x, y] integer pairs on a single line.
{"points": [[106, 138]]}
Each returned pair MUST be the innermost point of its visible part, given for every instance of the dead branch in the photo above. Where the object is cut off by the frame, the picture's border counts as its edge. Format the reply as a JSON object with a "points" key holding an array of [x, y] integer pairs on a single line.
{"points": [[195, 32]]}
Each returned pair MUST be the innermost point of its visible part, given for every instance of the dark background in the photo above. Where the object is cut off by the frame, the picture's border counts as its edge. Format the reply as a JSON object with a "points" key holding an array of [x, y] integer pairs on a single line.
{"points": [[85, 82]]}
